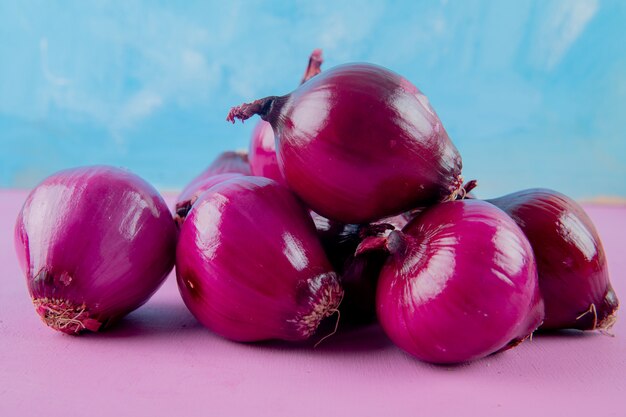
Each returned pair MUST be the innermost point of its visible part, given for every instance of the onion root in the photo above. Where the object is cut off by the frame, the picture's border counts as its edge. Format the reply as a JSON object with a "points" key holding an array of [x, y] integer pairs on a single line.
{"points": [[325, 306]]}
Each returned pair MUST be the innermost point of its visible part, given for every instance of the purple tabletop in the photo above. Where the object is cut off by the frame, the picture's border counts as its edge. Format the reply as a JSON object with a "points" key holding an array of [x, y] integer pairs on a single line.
{"points": [[160, 362]]}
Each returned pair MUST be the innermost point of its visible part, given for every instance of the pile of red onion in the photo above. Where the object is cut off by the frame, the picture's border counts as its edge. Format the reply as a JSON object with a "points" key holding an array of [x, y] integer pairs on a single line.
{"points": [[349, 203]]}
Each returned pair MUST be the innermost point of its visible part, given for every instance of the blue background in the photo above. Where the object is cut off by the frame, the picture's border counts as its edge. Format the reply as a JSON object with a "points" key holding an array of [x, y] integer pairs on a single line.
{"points": [[533, 93]]}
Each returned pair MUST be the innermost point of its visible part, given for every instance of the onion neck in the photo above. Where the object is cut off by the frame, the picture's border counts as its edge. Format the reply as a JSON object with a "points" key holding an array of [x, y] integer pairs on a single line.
{"points": [[314, 67], [393, 243], [397, 242], [267, 108], [182, 210]]}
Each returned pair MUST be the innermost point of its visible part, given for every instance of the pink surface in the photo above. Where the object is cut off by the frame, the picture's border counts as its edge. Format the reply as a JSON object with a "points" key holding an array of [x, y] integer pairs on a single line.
{"points": [[160, 362]]}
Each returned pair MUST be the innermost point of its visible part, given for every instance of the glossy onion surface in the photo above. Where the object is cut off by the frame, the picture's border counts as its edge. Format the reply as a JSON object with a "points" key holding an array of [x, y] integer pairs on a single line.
{"points": [[572, 266], [250, 266], [461, 283], [359, 142], [94, 243]]}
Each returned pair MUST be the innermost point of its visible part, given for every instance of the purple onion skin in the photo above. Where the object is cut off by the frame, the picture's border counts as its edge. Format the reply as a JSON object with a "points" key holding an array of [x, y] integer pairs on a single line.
{"points": [[94, 243], [359, 142], [460, 284], [571, 263], [262, 153], [249, 264], [191, 192]]}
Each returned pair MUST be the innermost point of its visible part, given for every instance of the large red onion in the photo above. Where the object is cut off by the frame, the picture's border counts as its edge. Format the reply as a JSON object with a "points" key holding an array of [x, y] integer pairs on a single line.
{"points": [[94, 243], [359, 142], [262, 154], [250, 266], [460, 284], [572, 267]]}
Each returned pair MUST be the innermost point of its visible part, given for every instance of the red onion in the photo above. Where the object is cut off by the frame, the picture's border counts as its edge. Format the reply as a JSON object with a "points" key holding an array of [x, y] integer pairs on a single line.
{"points": [[94, 243], [359, 142], [572, 266], [460, 284], [190, 194], [249, 264], [226, 163], [230, 162], [263, 162], [262, 152]]}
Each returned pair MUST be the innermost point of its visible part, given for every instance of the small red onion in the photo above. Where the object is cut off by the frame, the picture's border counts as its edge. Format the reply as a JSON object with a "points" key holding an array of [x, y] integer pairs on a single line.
{"points": [[191, 192], [94, 243], [227, 165], [263, 162], [262, 152], [572, 267], [227, 162], [249, 264], [460, 284], [359, 142]]}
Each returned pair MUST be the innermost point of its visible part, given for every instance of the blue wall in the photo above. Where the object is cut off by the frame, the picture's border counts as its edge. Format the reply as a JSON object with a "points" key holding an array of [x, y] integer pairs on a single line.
{"points": [[532, 93]]}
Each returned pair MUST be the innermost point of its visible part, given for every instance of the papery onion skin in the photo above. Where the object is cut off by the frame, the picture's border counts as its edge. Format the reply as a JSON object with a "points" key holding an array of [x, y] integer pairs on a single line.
{"points": [[461, 283], [262, 153], [94, 243], [359, 142], [571, 262], [249, 265], [191, 192]]}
